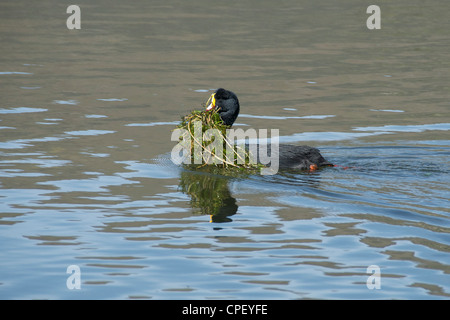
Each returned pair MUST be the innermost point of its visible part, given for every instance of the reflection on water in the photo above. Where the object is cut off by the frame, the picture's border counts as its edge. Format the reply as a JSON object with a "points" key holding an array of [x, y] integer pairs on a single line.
{"points": [[86, 179], [209, 194]]}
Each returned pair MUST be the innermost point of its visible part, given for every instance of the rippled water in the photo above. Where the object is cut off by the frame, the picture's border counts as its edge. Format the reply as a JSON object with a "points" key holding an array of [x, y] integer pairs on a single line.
{"points": [[85, 172]]}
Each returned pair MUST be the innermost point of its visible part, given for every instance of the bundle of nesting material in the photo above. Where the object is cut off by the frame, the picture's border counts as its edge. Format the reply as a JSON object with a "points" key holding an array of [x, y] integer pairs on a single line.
{"points": [[205, 137]]}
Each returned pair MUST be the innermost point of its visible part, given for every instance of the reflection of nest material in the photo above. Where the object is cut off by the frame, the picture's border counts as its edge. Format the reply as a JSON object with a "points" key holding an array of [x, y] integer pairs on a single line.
{"points": [[209, 194], [202, 142]]}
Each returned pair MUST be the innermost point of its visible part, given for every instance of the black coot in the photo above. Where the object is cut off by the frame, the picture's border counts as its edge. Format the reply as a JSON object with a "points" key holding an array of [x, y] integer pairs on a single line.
{"points": [[290, 156]]}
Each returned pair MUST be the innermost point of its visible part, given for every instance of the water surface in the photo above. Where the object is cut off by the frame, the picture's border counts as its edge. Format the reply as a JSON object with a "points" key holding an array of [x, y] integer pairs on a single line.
{"points": [[86, 179]]}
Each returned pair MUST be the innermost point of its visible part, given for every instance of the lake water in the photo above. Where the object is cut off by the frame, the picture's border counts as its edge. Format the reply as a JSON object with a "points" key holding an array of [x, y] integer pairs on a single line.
{"points": [[86, 178]]}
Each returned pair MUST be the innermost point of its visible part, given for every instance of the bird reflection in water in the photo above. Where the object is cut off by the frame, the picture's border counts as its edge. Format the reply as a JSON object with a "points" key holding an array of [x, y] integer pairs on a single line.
{"points": [[209, 193]]}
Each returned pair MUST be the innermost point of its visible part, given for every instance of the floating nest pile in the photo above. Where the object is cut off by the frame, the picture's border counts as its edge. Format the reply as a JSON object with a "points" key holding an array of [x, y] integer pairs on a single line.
{"points": [[206, 136]]}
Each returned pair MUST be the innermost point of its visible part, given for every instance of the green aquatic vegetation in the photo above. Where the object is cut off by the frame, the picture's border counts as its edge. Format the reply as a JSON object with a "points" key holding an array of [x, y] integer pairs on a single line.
{"points": [[206, 136], [208, 193]]}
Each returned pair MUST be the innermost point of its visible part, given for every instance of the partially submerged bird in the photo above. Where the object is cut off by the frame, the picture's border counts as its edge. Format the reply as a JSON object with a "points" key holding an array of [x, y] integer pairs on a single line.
{"points": [[290, 156]]}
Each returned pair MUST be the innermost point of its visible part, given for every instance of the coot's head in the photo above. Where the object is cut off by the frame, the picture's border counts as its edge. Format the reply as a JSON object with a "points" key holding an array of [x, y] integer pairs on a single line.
{"points": [[226, 103]]}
